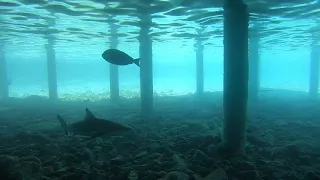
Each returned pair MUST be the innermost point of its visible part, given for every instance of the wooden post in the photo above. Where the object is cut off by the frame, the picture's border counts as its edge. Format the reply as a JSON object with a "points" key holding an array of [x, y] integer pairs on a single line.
{"points": [[314, 70], [146, 71], [51, 62], [235, 88], [114, 70], [52, 69], [254, 64], [199, 68], [4, 83]]}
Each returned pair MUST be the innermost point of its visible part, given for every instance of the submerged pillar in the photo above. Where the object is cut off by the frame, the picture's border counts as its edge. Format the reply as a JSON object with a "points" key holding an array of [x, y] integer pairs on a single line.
{"points": [[314, 71], [114, 70], [4, 84], [254, 64], [51, 63], [235, 87], [52, 69], [199, 68], [146, 71]]}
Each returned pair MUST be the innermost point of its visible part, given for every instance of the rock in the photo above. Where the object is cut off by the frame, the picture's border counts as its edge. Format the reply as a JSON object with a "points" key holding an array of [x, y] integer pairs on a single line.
{"points": [[31, 159], [87, 155], [286, 152], [212, 150], [218, 174], [197, 177], [49, 161], [47, 170], [9, 161], [81, 171], [96, 142], [155, 156], [258, 141], [58, 165], [154, 164], [243, 165], [175, 175], [180, 164], [97, 174], [6, 166], [250, 174], [199, 156], [150, 175], [133, 175], [74, 176], [96, 149], [71, 159], [63, 170], [73, 150], [142, 154], [29, 168], [73, 140], [101, 176], [291, 175], [311, 175], [305, 160], [48, 151], [117, 161], [98, 164], [84, 167], [40, 138], [23, 136]]}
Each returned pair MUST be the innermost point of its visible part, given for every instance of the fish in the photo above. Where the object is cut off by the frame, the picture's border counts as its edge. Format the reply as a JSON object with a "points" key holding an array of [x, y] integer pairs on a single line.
{"points": [[118, 57], [92, 126]]}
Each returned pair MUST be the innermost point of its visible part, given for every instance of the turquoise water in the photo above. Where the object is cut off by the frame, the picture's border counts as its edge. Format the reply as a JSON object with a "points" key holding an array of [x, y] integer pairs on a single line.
{"points": [[82, 33], [183, 137], [173, 73]]}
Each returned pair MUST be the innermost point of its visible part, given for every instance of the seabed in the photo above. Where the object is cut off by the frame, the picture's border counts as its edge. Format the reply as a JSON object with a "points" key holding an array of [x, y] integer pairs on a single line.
{"points": [[179, 142]]}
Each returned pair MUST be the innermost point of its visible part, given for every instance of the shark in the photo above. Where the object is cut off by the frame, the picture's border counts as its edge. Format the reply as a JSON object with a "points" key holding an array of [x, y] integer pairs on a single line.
{"points": [[92, 126]]}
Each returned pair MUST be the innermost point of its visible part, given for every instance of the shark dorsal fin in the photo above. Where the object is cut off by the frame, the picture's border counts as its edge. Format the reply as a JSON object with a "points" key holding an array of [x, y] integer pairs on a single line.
{"points": [[89, 115]]}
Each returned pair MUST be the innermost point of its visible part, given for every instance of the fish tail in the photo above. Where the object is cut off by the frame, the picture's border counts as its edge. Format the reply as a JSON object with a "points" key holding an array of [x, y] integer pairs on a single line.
{"points": [[137, 61], [63, 124]]}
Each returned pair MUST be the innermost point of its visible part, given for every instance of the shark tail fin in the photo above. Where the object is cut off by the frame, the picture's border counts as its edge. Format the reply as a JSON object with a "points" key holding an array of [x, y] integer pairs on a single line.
{"points": [[137, 61], [63, 124]]}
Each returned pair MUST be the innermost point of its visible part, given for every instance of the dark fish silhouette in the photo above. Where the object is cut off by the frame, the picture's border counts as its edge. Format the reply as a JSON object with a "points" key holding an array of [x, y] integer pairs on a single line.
{"points": [[117, 57], [92, 126]]}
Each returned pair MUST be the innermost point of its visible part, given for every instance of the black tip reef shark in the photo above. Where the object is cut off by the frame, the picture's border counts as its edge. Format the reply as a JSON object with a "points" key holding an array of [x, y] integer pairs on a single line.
{"points": [[92, 126]]}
